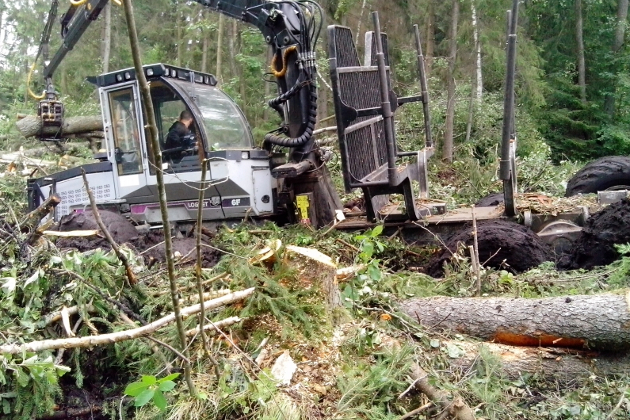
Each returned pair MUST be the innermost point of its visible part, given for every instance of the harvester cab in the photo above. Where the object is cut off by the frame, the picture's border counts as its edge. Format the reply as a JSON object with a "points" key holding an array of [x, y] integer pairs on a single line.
{"points": [[238, 173]]}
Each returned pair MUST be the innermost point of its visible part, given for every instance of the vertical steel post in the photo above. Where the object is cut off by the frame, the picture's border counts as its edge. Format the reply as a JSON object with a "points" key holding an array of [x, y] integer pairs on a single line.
{"points": [[506, 170], [386, 106]]}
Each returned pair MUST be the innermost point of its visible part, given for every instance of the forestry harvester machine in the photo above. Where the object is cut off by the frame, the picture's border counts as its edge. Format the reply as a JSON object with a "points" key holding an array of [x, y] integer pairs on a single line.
{"points": [[286, 179]]}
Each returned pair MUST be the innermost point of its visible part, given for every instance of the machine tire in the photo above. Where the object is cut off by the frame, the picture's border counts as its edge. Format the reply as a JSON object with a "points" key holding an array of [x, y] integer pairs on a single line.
{"points": [[491, 200], [502, 245], [604, 173], [118, 226]]}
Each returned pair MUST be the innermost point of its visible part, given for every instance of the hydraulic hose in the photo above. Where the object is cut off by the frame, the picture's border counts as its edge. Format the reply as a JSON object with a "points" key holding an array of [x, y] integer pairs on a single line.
{"points": [[308, 131], [276, 102]]}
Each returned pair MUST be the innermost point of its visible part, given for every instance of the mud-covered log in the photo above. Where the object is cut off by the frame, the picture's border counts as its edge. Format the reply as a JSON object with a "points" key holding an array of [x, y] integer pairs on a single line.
{"points": [[599, 322], [31, 126], [555, 364]]}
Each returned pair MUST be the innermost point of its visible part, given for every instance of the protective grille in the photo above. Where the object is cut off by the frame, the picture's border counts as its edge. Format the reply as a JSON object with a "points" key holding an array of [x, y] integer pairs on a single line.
{"points": [[346, 53], [366, 145]]}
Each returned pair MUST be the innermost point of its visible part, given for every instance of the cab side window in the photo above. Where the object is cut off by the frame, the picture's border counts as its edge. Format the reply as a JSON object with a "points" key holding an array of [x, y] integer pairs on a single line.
{"points": [[127, 150]]}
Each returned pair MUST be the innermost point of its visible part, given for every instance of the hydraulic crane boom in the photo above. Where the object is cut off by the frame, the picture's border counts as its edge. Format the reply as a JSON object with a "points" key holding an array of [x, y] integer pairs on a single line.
{"points": [[289, 27]]}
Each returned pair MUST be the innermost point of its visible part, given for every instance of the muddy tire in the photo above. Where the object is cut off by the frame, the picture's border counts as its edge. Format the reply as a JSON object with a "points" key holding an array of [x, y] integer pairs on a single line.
{"points": [[491, 200], [118, 226], [610, 172], [602, 231], [502, 245]]}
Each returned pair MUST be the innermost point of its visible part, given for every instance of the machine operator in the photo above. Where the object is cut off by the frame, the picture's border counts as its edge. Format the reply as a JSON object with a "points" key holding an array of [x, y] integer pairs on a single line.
{"points": [[180, 135]]}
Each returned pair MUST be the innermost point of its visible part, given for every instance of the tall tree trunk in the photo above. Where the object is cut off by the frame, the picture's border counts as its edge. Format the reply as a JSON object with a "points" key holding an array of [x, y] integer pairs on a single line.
{"points": [[220, 48], [358, 33], [266, 108], [447, 150], [106, 37], [180, 38], [2, 29], [622, 15], [477, 41], [430, 36], [579, 39], [205, 45], [476, 90], [322, 106], [232, 48]]}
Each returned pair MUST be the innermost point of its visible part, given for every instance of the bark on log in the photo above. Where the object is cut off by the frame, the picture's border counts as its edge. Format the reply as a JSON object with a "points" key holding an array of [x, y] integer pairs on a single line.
{"points": [[555, 364], [599, 322], [31, 126]]}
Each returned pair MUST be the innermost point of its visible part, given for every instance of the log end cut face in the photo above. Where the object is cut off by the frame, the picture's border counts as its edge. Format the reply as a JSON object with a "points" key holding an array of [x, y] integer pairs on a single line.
{"points": [[537, 340]]}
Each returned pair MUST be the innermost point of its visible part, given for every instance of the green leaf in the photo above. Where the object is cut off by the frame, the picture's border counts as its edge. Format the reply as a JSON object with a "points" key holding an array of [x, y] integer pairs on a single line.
{"points": [[144, 397], [435, 343], [166, 386], [22, 378], [368, 249], [454, 352], [159, 400], [134, 389], [149, 379], [169, 377], [376, 231], [374, 272], [6, 407]]}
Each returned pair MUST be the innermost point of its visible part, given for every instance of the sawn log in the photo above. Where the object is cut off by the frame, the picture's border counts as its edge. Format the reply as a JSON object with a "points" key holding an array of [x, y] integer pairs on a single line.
{"points": [[600, 322], [565, 366], [31, 125]]}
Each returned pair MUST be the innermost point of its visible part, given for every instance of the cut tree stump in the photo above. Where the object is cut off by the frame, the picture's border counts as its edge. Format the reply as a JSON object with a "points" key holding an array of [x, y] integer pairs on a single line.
{"points": [[31, 126], [599, 322], [315, 269]]}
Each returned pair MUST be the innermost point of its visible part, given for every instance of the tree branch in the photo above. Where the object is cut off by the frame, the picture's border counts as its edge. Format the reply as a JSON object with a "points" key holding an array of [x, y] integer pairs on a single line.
{"points": [[102, 339]]}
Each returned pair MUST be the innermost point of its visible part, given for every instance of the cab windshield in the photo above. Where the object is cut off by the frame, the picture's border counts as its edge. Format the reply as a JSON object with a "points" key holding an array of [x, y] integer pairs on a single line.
{"points": [[223, 121]]}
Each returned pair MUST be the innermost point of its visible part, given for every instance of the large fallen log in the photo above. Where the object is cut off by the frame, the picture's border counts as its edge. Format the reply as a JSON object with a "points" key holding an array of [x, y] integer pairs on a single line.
{"points": [[599, 322], [31, 126]]}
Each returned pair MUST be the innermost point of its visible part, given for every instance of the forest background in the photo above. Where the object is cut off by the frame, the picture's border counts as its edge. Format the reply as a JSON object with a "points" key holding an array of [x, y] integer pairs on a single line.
{"points": [[573, 80]]}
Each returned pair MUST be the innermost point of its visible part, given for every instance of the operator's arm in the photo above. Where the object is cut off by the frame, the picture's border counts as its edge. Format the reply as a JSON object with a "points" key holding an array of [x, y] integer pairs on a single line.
{"points": [[175, 135]]}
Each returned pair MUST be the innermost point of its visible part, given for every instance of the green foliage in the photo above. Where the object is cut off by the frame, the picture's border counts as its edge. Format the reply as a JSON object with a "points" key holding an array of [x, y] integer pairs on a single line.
{"points": [[370, 386], [151, 389], [29, 385]]}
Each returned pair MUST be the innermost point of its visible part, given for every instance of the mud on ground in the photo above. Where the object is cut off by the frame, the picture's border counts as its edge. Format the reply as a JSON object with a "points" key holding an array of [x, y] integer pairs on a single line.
{"points": [[150, 244], [596, 245]]}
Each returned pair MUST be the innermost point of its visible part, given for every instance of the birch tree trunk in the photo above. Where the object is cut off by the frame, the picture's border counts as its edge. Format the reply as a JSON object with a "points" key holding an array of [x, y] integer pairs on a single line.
{"points": [[447, 149], [358, 33], [477, 41], [232, 48], [220, 48], [106, 37], [591, 321], [205, 45], [179, 38], [579, 39], [476, 94], [622, 15]]}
